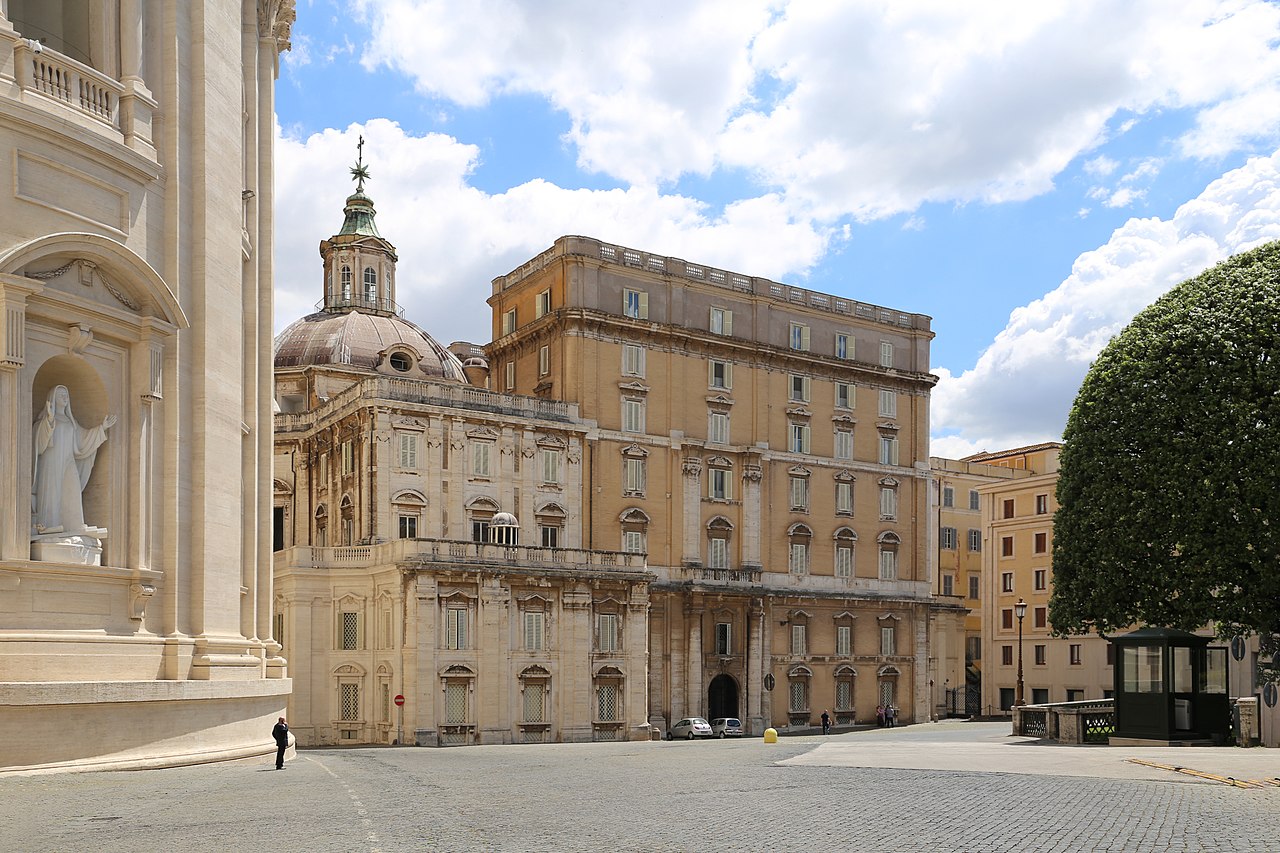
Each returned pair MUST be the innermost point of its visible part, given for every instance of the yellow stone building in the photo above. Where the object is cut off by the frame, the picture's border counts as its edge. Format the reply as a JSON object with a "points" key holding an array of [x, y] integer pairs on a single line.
{"points": [[135, 421]]}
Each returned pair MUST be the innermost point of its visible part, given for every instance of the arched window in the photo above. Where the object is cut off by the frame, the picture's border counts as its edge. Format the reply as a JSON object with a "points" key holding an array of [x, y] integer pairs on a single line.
{"points": [[609, 716], [719, 529], [348, 521], [845, 678], [846, 540], [346, 283], [799, 537], [457, 684], [322, 526], [889, 543], [370, 285], [798, 679], [535, 690], [480, 511]]}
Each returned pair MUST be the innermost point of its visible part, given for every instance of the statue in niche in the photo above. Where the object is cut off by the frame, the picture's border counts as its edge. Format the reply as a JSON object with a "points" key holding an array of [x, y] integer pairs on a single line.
{"points": [[63, 456]]}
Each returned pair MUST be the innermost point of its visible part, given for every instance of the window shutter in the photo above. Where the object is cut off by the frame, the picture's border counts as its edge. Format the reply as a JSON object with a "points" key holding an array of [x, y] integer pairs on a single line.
{"points": [[728, 322], [644, 305], [804, 338]]}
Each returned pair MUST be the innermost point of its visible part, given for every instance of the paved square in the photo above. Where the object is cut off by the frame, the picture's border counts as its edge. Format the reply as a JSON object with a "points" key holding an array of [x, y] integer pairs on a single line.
{"points": [[935, 787]]}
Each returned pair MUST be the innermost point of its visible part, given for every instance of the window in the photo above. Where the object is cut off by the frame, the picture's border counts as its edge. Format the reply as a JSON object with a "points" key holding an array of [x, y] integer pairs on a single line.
{"points": [[718, 428], [1040, 617], [799, 389], [800, 337], [844, 498], [456, 628], [844, 695], [1041, 543], [973, 649], [844, 444], [607, 632], [633, 416], [888, 450], [799, 434], [799, 560], [544, 360], [799, 694], [349, 624], [888, 563], [510, 375], [974, 585], [543, 304], [535, 701], [607, 702], [509, 321], [718, 484], [534, 630], [550, 467], [1006, 655], [480, 527], [633, 541], [975, 540], [349, 702], [844, 395], [1006, 546], [348, 457], [384, 701], [455, 702], [480, 458], [844, 346], [844, 640], [633, 482], [720, 374], [1006, 619], [1006, 698], [632, 360], [1006, 581], [888, 404], [1042, 504], [798, 639], [948, 585], [888, 503], [724, 638], [717, 553], [974, 500], [1041, 654], [887, 645], [721, 321], [844, 560], [370, 284], [948, 496], [1039, 577], [408, 527], [279, 629], [800, 494], [1007, 508], [409, 450], [635, 304], [1075, 695], [886, 354], [947, 538], [400, 362], [1074, 654], [549, 535]]}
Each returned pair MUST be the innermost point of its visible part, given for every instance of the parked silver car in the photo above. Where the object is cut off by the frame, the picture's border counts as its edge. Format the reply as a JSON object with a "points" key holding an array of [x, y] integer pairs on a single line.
{"points": [[726, 727], [690, 728]]}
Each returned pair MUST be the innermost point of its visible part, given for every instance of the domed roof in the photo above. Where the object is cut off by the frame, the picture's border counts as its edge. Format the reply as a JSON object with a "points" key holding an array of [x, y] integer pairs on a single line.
{"points": [[375, 342]]}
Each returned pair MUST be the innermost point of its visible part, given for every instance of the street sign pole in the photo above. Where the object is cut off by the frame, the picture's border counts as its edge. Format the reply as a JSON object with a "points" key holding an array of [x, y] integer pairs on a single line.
{"points": [[399, 700]]}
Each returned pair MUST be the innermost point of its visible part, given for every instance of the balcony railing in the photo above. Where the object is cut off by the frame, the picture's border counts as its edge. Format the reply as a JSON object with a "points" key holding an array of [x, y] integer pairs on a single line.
{"points": [[342, 304], [49, 74], [458, 551]]}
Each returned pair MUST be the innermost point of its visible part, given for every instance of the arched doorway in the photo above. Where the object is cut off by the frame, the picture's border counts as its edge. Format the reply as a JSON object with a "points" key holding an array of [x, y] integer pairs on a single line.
{"points": [[722, 697]]}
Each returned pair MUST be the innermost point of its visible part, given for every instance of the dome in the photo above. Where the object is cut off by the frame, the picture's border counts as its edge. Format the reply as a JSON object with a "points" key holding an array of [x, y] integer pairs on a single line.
{"points": [[365, 341], [504, 519]]}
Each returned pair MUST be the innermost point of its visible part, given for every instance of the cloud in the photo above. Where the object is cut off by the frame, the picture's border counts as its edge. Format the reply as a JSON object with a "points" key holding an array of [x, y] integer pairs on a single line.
{"points": [[1022, 386], [1124, 197], [1100, 166], [858, 109], [453, 239]]}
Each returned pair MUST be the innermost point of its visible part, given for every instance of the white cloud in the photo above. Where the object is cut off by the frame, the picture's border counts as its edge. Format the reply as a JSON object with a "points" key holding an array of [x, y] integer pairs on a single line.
{"points": [[864, 109], [453, 239], [1022, 386], [1124, 197], [1100, 166]]}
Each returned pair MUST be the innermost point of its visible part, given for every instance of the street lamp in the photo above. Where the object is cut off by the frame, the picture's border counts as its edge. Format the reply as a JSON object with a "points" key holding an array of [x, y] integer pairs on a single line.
{"points": [[1019, 610]]}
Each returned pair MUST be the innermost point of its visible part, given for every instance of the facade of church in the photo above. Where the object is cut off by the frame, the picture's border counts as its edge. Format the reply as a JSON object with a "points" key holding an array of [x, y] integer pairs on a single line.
{"points": [[135, 421], [663, 490]]}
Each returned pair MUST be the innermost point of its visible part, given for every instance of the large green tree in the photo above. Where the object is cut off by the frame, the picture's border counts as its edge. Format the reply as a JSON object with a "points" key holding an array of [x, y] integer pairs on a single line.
{"points": [[1169, 489]]}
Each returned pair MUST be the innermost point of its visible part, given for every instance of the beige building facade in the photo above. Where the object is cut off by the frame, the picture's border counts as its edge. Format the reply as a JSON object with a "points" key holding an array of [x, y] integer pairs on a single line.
{"points": [[766, 446], [136, 288]]}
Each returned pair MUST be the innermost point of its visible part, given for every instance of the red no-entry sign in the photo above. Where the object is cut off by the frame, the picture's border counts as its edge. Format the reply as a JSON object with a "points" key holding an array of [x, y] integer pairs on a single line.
{"points": [[399, 699]]}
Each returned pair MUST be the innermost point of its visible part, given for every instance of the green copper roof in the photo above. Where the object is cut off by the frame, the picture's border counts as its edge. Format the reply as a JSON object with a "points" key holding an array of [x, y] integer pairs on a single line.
{"points": [[359, 216]]}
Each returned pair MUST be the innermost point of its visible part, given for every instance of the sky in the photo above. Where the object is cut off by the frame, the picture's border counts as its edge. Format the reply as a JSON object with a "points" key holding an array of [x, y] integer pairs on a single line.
{"points": [[1030, 175]]}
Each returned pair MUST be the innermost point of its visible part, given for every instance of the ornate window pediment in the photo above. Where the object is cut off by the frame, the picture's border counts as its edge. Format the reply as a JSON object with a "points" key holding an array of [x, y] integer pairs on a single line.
{"points": [[847, 534], [550, 441], [719, 401], [800, 671], [799, 471], [883, 617], [845, 614], [798, 412], [633, 387], [889, 538], [887, 426], [533, 601], [846, 671], [634, 515], [720, 462], [281, 487], [482, 434], [482, 502], [635, 451], [349, 669], [888, 670], [457, 671], [801, 615], [720, 523], [534, 672], [551, 508], [888, 481], [799, 529], [843, 419], [844, 476], [409, 496], [608, 672]]}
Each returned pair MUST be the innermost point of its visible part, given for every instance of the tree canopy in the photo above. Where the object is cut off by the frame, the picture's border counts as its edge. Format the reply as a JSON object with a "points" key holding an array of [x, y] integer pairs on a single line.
{"points": [[1169, 481]]}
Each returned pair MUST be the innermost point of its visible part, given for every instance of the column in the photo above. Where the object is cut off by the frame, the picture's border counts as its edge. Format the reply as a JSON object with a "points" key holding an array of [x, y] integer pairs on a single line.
{"points": [[755, 666], [752, 475], [136, 104], [692, 469], [696, 700]]}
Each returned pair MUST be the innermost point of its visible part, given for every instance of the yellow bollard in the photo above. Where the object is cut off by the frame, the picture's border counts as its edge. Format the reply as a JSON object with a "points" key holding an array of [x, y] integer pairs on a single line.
{"points": [[770, 735]]}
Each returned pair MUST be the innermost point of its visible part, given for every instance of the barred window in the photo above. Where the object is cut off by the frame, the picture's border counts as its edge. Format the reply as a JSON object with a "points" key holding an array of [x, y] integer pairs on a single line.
{"points": [[349, 707], [607, 703], [384, 701], [535, 702], [799, 696], [350, 631], [455, 703], [844, 695]]}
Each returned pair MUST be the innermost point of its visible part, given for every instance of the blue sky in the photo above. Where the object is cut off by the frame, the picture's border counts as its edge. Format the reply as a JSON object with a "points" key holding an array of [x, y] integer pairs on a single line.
{"points": [[1029, 175]]}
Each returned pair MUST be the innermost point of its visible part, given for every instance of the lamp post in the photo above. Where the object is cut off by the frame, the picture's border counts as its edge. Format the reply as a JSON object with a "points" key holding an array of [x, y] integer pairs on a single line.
{"points": [[1019, 610]]}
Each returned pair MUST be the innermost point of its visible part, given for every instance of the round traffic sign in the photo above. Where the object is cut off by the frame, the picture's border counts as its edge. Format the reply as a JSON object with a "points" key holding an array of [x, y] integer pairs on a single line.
{"points": [[399, 700]]}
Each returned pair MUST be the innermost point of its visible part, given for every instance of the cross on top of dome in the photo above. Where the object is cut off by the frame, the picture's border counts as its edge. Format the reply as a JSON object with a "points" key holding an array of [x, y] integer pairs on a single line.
{"points": [[360, 172]]}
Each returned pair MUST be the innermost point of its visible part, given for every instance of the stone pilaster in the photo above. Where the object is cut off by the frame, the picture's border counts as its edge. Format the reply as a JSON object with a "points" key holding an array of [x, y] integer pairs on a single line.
{"points": [[691, 467], [755, 667], [752, 521], [696, 700]]}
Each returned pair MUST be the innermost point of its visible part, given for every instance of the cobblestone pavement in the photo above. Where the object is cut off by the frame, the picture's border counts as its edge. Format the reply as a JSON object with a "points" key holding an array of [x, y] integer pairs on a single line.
{"points": [[964, 787]]}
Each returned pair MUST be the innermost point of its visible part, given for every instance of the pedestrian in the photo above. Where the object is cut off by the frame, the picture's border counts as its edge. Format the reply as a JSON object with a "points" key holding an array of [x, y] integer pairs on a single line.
{"points": [[281, 734], [826, 722], [891, 714], [880, 715]]}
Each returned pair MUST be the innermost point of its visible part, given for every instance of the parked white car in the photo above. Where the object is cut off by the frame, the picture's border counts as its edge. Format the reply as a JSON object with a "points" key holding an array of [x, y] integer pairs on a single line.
{"points": [[690, 728], [726, 727]]}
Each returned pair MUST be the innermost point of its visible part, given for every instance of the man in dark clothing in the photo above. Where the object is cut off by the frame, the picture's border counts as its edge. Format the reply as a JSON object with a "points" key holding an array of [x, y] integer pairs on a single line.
{"points": [[281, 734], [826, 723]]}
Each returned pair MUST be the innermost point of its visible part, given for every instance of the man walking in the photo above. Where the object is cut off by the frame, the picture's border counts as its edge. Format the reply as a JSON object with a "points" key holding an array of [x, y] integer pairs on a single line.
{"points": [[826, 723], [281, 734]]}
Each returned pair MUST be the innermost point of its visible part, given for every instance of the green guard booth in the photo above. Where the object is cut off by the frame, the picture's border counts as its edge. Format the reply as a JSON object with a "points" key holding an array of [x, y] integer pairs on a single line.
{"points": [[1170, 688]]}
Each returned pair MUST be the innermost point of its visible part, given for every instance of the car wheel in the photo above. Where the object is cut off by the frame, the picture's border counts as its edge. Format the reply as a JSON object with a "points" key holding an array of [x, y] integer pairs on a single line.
{"points": [[690, 735], [670, 736], [721, 736]]}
